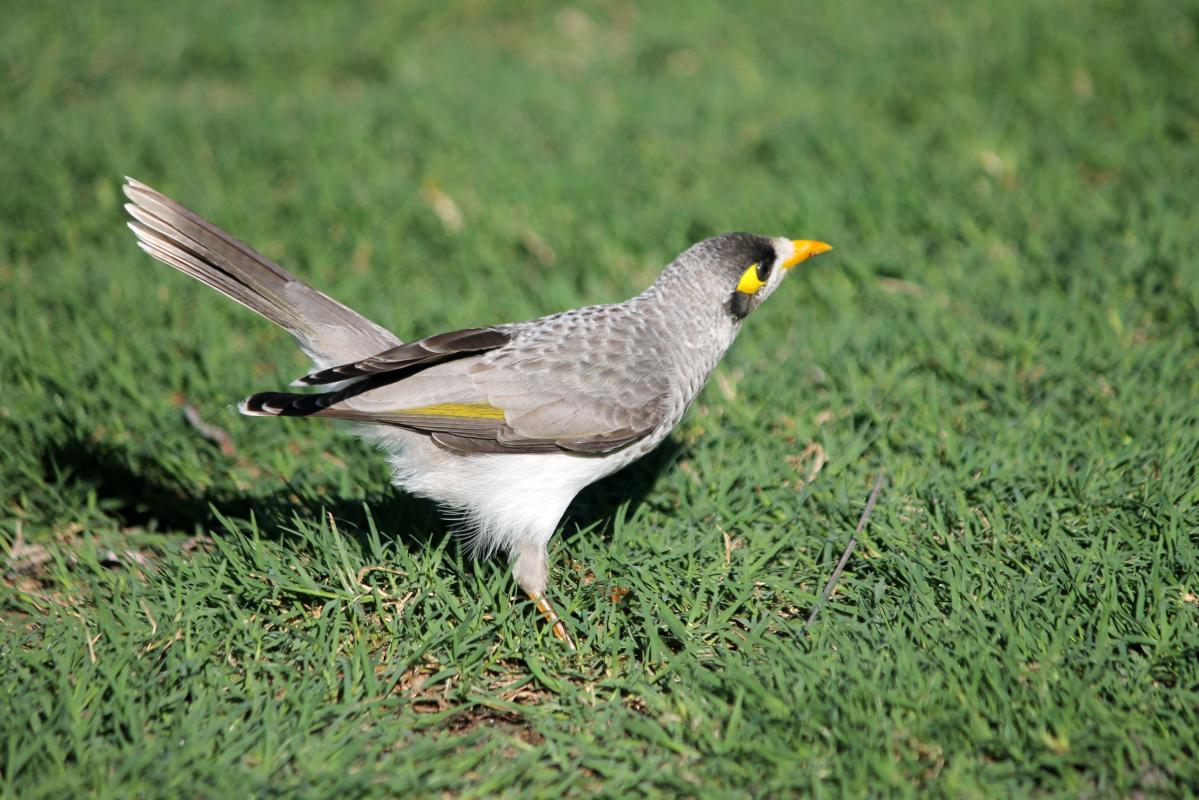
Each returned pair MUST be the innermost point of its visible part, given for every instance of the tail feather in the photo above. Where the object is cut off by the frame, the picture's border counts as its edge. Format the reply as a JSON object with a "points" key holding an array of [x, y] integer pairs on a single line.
{"points": [[285, 404], [329, 332]]}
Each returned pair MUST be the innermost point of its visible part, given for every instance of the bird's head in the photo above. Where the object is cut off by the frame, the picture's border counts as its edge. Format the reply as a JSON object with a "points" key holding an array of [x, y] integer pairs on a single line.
{"points": [[747, 268]]}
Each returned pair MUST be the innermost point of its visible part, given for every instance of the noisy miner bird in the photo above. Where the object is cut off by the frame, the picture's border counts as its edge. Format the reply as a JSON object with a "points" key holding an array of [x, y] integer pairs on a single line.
{"points": [[502, 425]]}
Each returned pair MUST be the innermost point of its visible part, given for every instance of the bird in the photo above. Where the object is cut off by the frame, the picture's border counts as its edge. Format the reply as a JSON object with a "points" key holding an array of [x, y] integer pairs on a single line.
{"points": [[500, 425]]}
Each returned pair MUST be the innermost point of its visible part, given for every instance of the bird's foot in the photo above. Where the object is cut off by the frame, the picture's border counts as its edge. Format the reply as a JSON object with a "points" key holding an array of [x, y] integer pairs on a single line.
{"points": [[551, 616]]}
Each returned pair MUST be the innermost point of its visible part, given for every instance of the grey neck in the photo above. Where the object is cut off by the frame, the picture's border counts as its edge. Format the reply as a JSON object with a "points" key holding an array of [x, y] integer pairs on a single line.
{"points": [[693, 306]]}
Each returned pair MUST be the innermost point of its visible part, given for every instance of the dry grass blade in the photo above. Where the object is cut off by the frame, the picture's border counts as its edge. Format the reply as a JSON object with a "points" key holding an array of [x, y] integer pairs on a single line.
{"points": [[853, 542]]}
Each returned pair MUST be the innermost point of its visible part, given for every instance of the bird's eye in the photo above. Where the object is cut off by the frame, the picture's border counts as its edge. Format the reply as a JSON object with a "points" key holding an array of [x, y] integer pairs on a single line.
{"points": [[754, 278]]}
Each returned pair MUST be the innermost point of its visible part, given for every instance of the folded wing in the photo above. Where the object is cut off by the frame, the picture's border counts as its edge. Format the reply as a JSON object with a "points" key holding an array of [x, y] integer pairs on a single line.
{"points": [[495, 390]]}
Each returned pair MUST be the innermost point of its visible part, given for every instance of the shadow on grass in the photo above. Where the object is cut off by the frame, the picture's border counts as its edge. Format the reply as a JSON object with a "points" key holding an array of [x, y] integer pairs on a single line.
{"points": [[597, 505], [150, 498]]}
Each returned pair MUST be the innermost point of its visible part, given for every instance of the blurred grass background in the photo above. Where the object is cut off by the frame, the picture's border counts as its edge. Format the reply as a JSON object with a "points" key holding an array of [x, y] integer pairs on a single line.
{"points": [[1008, 327]]}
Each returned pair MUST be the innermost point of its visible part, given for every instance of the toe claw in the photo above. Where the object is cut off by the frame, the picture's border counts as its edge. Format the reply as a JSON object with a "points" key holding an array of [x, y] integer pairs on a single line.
{"points": [[563, 635], [557, 626]]}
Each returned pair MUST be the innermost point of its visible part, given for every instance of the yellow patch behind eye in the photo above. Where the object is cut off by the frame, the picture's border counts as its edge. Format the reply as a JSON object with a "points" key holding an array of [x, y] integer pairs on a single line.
{"points": [[473, 410], [750, 283]]}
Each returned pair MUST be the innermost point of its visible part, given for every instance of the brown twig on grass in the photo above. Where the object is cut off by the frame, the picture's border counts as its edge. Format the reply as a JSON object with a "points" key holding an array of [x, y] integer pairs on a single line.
{"points": [[853, 542], [210, 431], [24, 558]]}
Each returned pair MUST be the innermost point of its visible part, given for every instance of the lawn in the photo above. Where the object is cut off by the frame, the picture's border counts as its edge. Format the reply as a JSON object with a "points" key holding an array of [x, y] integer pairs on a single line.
{"points": [[1008, 328]]}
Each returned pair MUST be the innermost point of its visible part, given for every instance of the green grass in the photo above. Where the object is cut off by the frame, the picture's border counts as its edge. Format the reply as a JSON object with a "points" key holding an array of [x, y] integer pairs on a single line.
{"points": [[1009, 327]]}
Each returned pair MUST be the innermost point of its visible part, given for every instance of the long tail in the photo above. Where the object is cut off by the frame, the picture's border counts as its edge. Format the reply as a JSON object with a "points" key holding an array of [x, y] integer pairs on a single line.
{"points": [[328, 332]]}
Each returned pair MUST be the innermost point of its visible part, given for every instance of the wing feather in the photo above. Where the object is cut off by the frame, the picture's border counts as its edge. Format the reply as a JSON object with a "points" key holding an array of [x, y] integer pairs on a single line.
{"points": [[546, 386], [423, 352]]}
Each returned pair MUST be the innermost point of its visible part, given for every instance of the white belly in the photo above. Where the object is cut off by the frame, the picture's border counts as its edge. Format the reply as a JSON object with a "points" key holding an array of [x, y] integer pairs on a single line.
{"points": [[497, 501]]}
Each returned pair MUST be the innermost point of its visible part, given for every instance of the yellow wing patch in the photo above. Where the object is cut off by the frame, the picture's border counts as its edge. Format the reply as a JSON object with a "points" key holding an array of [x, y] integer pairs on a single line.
{"points": [[471, 410]]}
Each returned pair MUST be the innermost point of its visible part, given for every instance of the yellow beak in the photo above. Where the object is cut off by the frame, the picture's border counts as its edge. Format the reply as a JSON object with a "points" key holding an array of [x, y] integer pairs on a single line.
{"points": [[805, 249]]}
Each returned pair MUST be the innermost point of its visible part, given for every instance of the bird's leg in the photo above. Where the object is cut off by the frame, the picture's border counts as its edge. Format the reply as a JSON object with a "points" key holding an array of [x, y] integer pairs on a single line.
{"points": [[529, 569], [551, 616]]}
